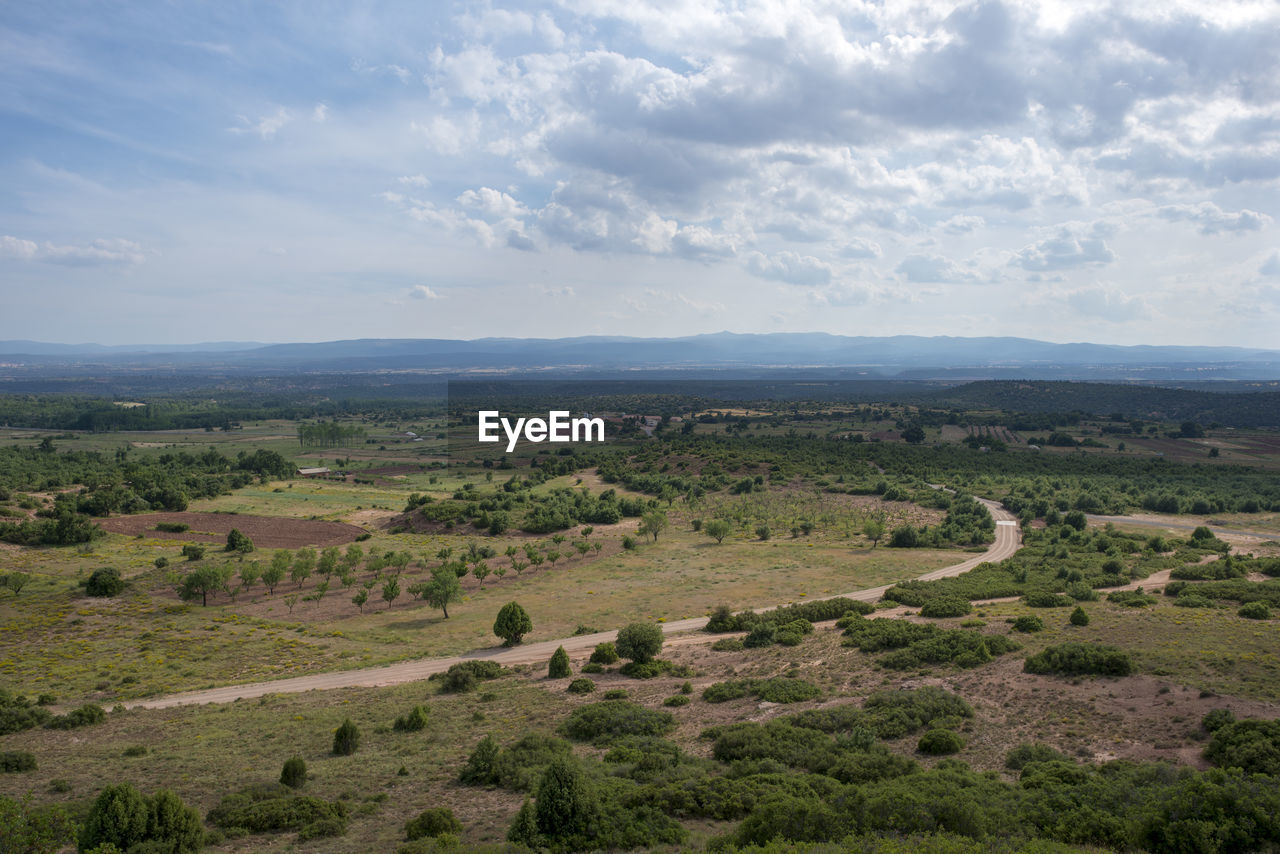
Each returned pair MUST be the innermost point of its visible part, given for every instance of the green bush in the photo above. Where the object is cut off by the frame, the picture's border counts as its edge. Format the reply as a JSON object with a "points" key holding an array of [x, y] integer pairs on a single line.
{"points": [[1028, 623], [173, 527], [16, 761], [122, 817], [1195, 600], [676, 700], [1131, 598], [761, 635], [1251, 745], [86, 715], [728, 645], [721, 692], [1024, 754], [639, 642], [786, 637], [786, 690], [940, 742], [1079, 617], [466, 675], [105, 581], [610, 719], [1042, 599], [1254, 611], [558, 666], [238, 542], [432, 822], [294, 772], [512, 624], [581, 686], [270, 808], [946, 606], [18, 713], [1080, 659], [346, 739], [519, 766], [479, 769], [414, 721], [604, 653]]}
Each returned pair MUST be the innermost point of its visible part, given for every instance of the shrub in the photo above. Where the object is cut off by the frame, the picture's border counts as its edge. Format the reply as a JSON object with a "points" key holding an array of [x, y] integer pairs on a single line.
{"points": [[940, 742], [722, 692], [946, 606], [1216, 719], [1079, 617], [16, 761], [172, 826], [786, 637], [1042, 599], [193, 552], [173, 527], [519, 766], [1024, 754], [581, 686], [1080, 659], [639, 642], [604, 653], [86, 715], [1255, 611], [512, 624], [135, 750], [616, 694], [105, 581], [238, 542], [760, 636], [1131, 598], [413, 722], [611, 719], [294, 772], [558, 667], [267, 808], [346, 739], [728, 645], [479, 769], [1250, 745], [785, 690], [676, 700], [1028, 623], [592, 667], [1194, 600], [160, 562], [466, 675], [18, 713], [431, 823]]}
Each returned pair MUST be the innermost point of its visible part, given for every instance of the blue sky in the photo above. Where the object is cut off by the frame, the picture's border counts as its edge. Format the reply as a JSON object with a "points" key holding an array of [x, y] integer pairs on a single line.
{"points": [[179, 172]]}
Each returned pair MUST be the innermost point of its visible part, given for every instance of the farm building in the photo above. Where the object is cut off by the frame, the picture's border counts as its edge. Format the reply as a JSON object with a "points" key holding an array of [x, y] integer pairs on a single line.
{"points": [[318, 471]]}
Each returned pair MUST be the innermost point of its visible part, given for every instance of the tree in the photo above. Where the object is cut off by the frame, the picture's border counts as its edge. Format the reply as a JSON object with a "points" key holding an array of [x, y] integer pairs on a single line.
{"points": [[346, 739], [639, 642], [249, 573], [913, 435], [15, 581], [294, 773], [558, 667], [118, 817], [272, 574], [303, 562], [203, 581], [513, 624], [390, 591], [173, 824], [717, 529], [238, 542], [873, 530], [105, 581], [652, 523], [565, 804], [481, 572], [1079, 617], [442, 589], [290, 601], [479, 768], [360, 599]]}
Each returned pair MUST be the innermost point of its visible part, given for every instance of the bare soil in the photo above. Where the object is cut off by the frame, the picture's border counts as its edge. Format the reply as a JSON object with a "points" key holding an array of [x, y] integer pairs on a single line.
{"points": [[271, 532]]}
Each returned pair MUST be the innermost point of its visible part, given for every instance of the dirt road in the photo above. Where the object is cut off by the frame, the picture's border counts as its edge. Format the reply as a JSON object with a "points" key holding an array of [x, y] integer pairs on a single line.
{"points": [[1008, 540]]}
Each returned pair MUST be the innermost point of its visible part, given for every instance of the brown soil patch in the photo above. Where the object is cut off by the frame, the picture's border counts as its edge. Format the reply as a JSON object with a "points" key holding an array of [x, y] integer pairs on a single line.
{"points": [[272, 532]]}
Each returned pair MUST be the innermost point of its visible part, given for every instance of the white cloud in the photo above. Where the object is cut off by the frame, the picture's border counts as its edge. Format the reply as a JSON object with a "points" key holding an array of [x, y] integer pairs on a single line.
{"points": [[923, 268], [266, 126], [418, 180], [1070, 247], [101, 252], [423, 292], [1213, 219], [789, 267], [1271, 266], [320, 112], [492, 204]]}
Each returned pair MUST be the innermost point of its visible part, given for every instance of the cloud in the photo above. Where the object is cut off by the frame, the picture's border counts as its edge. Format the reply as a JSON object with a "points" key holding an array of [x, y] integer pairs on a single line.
{"points": [[423, 292], [320, 112], [789, 267], [492, 204], [1213, 219], [1070, 248], [842, 294], [418, 180], [266, 126], [962, 224], [933, 268], [860, 248], [1271, 266], [99, 253], [1107, 303]]}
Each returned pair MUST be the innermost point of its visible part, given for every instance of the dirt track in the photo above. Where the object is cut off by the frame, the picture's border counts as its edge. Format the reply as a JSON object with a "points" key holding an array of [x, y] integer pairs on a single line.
{"points": [[1008, 540], [268, 532]]}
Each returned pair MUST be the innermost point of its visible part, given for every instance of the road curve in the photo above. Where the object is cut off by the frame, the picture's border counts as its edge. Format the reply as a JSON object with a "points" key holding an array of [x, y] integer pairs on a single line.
{"points": [[1008, 540]]}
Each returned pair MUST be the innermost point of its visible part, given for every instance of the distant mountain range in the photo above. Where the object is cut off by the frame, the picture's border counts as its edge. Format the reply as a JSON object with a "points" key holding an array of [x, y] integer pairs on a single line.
{"points": [[905, 356]]}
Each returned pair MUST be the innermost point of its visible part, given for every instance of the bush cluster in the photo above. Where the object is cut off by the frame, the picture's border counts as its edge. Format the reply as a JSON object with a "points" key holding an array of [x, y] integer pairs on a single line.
{"points": [[1080, 659]]}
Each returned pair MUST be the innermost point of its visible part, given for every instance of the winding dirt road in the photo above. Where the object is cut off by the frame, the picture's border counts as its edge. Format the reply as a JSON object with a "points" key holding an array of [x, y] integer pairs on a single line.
{"points": [[1008, 541]]}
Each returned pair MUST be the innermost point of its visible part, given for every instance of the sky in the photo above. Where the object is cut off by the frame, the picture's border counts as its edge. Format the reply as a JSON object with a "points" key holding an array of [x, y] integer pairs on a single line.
{"points": [[273, 171]]}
